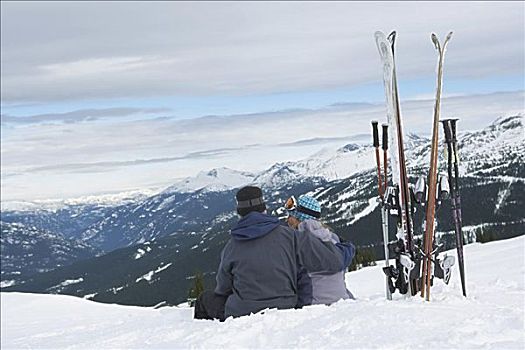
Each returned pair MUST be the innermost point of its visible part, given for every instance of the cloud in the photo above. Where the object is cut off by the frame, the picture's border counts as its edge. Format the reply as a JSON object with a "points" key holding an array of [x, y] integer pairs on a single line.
{"points": [[134, 49], [135, 153], [325, 140], [99, 66], [102, 167], [79, 115]]}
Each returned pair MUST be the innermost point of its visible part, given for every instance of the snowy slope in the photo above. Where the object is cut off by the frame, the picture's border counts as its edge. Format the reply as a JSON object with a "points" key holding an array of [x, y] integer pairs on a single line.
{"points": [[491, 318]]}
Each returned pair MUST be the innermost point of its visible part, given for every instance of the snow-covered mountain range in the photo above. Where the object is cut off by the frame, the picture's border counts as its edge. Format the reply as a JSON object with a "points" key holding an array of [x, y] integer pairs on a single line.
{"points": [[183, 228], [103, 200], [487, 148], [26, 250]]}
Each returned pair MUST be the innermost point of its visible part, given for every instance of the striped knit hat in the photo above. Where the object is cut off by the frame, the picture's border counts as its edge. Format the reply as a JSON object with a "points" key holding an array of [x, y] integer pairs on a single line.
{"points": [[307, 208]]}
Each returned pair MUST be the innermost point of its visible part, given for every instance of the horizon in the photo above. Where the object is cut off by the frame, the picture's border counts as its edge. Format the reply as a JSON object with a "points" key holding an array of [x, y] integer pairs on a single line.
{"points": [[117, 196]]}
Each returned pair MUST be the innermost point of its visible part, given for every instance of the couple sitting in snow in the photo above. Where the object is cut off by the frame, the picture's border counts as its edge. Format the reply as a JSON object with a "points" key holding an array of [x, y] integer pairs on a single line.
{"points": [[266, 264]]}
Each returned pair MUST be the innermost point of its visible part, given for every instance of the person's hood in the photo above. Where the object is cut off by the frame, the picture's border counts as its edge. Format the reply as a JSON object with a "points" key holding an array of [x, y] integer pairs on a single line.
{"points": [[254, 225], [318, 230]]}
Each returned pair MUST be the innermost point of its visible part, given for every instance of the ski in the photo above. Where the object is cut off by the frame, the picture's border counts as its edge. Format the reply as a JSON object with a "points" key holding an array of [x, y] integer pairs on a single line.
{"points": [[406, 219], [398, 196], [433, 175], [449, 127]]}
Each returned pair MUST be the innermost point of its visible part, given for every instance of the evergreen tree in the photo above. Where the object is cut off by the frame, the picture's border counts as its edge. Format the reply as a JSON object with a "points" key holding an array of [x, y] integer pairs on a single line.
{"points": [[483, 236], [197, 288], [363, 257]]}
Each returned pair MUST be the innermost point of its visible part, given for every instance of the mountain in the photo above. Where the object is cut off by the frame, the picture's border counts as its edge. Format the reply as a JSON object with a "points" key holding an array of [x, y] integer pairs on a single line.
{"points": [[70, 217], [327, 164], [183, 232], [26, 251], [498, 150], [219, 179], [491, 317]]}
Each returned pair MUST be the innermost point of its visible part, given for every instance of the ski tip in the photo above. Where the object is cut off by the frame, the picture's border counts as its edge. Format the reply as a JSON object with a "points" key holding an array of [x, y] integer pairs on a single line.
{"points": [[382, 46], [392, 39], [379, 34], [435, 40], [392, 36], [449, 35]]}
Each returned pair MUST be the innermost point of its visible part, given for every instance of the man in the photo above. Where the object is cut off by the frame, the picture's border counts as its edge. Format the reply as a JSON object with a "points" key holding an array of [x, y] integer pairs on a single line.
{"points": [[260, 263]]}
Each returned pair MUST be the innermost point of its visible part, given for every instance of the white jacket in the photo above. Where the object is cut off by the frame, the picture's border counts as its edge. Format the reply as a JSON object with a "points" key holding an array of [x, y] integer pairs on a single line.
{"points": [[326, 288]]}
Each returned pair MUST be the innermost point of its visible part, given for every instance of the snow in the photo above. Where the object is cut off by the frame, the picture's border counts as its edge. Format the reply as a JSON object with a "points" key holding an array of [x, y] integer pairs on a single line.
{"points": [[141, 252], [492, 317], [150, 274], [219, 179], [329, 163], [372, 204], [7, 283], [110, 199], [66, 283]]}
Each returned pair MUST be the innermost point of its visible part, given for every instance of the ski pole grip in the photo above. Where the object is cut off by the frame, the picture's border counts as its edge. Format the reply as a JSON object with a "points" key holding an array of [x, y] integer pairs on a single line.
{"points": [[446, 128], [385, 137], [375, 133]]}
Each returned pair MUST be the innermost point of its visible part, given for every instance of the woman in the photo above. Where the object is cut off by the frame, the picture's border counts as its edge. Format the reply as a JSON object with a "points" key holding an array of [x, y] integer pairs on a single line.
{"points": [[304, 215]]}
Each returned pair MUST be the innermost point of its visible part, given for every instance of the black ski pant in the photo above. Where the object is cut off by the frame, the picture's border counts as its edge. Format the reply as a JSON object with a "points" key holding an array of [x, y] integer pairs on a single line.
{"points": [[210, 306]]}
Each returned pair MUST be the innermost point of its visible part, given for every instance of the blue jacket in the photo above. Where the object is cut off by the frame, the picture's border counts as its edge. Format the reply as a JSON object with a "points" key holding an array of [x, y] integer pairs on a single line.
{"points": [[260, 264]]}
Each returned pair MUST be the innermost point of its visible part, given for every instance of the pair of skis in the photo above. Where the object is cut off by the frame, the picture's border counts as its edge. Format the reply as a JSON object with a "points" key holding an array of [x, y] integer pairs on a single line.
{"points": [[396, 197], [405, 274]]}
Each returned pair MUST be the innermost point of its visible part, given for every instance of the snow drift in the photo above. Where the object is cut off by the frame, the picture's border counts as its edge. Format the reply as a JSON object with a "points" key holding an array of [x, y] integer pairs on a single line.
{"points": [[492, 317]]}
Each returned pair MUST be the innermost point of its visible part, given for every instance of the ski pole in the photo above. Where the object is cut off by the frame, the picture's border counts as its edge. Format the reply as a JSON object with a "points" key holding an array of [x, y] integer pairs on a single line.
{"points": [[385, 159], [375, 133], [457, 209], [384, 210]]}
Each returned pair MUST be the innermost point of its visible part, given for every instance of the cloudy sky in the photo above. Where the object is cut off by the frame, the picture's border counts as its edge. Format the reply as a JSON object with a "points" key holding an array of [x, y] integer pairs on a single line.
{"points": [[106, 97]]}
